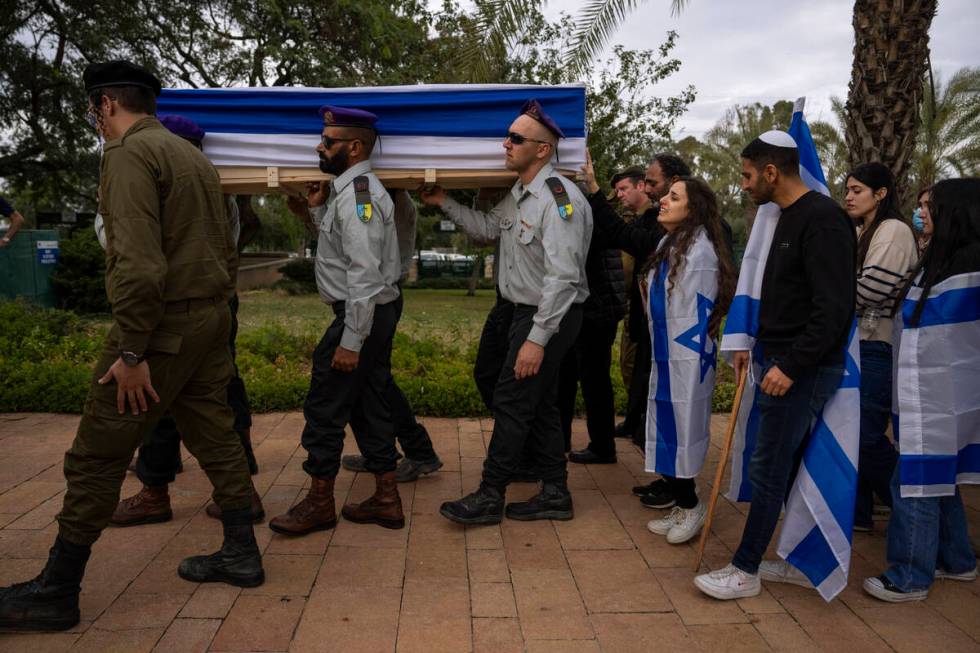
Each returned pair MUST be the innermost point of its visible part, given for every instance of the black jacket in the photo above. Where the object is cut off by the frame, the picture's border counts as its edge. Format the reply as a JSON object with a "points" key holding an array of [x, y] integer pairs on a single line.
{"points": [[607, 284]]}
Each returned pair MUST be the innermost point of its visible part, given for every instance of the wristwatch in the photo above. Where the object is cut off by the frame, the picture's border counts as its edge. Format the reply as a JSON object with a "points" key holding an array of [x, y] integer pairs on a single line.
{"points": [[130, 359]]}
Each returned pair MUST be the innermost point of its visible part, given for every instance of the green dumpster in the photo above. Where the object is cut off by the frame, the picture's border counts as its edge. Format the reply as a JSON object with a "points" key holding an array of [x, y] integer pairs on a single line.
{"points": [[26, 265]]}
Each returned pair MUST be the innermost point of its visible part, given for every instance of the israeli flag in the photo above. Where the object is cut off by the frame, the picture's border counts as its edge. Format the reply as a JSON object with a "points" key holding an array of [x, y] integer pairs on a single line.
{"points": [[816, 531], [937, 370], [682, 378]]}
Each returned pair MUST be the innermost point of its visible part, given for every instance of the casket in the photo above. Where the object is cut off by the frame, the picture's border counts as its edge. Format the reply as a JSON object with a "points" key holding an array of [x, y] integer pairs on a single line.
{"points": [[263, 139]]}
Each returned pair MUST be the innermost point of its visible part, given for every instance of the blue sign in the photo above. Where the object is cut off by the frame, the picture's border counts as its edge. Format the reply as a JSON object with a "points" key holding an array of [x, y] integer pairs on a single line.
{"points": [[47, 252]]}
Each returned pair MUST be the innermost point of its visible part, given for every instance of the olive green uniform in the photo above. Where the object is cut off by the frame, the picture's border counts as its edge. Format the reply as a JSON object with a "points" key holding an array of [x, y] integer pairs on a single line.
{"points": [[170, 267]]}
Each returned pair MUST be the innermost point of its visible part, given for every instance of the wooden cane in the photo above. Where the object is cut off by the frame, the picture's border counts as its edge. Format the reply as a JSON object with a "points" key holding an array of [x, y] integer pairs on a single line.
{"points": [[726, 449]]}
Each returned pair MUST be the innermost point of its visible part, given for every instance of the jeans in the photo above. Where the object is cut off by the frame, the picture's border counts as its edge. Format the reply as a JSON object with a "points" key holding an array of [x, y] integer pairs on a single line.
{"points": [[784, 428], [877, 458], [588, 362], [925, 534]]}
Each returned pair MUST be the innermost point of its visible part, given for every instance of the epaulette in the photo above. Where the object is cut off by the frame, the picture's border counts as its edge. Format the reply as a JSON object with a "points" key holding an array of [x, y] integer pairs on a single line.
{"points": [[362, 197], [562, 199]]}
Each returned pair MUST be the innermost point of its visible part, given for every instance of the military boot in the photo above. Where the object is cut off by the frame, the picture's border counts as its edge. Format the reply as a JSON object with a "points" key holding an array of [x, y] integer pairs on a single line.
{"points": [[554, 501], [258, 512], [148, 506], [485, 506], [238, 561], [49, 601], [384, 507], [316, 512]]}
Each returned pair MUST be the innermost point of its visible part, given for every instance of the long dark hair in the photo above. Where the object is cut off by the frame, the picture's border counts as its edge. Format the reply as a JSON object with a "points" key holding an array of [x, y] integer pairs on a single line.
{"points": [[954, 207], [877, 176], [702, 206]]}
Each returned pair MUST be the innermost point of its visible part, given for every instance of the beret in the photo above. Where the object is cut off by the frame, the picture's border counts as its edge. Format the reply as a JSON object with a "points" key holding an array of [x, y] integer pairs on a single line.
{"points": [[119, 73], [534, 109], [347, 117], [183, 127]]}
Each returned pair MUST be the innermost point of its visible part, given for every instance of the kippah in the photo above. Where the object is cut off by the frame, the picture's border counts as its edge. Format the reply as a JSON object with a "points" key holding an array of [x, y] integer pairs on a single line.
{"points": [[778, 138]]}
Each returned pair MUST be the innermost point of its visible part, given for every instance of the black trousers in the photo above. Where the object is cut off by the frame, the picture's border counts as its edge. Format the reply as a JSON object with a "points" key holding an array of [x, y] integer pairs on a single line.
{"points": [[492, 350], [588, 362], [636, 407], [159, 455], [684, 491], [358, 398], [526, 411], [412, 436]]}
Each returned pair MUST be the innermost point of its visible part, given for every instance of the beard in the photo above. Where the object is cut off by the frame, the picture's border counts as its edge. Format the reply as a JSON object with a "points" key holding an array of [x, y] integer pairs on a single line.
{"points": [[335, 165]]}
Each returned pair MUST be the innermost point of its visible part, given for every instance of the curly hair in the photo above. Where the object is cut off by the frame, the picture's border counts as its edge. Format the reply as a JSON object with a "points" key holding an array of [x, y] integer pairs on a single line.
{"points": [[702, 212]]}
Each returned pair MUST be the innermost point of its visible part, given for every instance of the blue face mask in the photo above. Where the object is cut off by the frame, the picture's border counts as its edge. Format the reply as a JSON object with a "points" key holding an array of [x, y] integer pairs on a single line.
{"points": [[917, 220]]}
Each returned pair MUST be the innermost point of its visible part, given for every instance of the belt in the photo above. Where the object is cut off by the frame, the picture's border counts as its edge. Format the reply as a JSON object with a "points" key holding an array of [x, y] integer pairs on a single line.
{"points": [[188, 305]]}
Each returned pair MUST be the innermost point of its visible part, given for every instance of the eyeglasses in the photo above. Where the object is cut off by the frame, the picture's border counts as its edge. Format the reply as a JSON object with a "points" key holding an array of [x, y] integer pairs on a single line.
{"points": [[518, 139], [329, 141]]}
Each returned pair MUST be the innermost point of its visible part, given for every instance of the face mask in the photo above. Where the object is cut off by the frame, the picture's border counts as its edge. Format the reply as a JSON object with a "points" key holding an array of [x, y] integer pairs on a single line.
{"points": [[917, 220]]}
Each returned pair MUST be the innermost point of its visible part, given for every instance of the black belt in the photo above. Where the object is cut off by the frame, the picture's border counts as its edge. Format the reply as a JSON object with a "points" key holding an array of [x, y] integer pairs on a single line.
{"points": [[188, 305]]}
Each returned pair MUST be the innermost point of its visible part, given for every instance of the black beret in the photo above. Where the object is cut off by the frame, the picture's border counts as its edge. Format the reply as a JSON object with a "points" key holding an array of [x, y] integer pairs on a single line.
{"points": [[119, 73]]}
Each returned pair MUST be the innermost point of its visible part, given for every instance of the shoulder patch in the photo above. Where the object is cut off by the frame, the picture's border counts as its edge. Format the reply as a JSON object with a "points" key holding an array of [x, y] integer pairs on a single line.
{"points": [[362, 197], [564, 202]]}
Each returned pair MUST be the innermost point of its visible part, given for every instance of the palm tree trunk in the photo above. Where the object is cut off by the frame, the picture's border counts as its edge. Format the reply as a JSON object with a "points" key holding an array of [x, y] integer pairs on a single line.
{"points": [[891, 48]]}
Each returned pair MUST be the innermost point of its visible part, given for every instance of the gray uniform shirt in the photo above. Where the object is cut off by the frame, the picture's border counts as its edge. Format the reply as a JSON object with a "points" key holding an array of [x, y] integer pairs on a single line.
{"points": [[357, 258], [542, 255]]}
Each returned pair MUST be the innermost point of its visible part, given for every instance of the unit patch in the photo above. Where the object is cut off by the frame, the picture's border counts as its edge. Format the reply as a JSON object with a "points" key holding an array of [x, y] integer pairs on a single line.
{"points": [[362, 197], [562, 199]]}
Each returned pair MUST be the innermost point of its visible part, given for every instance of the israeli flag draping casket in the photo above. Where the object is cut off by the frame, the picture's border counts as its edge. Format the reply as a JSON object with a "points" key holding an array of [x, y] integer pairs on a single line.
{"points": [[457, 128]]}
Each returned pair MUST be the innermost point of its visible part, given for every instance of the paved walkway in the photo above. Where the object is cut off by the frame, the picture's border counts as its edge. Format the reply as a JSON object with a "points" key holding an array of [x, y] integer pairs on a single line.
{"points": [[600, 582]]}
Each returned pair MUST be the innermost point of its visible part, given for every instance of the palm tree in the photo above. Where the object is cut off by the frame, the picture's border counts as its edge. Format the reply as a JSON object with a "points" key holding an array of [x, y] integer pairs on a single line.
{"points": [[891, 49], [949, 136]]}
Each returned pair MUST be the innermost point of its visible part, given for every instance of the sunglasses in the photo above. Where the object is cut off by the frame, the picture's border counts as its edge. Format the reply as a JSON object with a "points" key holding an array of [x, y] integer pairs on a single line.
{"points": [[519, 139], [329, 141]]}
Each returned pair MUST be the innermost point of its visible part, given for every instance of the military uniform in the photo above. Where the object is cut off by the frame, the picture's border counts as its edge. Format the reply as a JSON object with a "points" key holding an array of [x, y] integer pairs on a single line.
{"points": [[544, 230]]}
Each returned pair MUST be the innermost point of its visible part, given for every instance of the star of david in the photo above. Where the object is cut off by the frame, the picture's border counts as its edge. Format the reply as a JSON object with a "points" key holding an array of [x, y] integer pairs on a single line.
{"points": [[852, 373], [696, 338]]}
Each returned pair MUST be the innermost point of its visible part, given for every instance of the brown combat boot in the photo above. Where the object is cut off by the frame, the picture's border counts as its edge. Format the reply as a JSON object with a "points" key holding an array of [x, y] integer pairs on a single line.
{"points": [[314, 513], [384, 508], [258, 512], [148, 506]]}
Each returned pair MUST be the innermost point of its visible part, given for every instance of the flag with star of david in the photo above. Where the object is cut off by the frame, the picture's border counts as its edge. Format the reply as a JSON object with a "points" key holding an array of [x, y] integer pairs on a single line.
{"points": [[682, 376], [816, 529]]}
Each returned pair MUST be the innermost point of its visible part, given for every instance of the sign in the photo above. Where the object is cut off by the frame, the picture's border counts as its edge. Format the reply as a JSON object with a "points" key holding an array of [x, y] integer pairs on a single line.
{"points": [[47, 252], [447, 225]]}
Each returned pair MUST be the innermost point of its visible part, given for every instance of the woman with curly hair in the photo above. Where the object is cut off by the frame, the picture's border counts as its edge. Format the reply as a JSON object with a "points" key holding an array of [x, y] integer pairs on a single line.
{"points": [[687, 281]]}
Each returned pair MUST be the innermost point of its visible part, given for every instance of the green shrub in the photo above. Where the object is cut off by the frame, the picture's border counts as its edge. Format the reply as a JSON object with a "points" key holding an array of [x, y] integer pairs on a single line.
{"points": [[79, 278], [450, 283], [300, 276]]}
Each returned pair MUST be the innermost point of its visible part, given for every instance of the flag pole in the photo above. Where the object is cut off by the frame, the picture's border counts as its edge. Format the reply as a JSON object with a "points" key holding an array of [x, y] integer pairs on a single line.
{"points": [[726, 449]]}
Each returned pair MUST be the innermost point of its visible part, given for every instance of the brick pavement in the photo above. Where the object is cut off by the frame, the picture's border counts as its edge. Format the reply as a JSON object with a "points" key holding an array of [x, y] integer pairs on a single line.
{"points": [[598, 583]]}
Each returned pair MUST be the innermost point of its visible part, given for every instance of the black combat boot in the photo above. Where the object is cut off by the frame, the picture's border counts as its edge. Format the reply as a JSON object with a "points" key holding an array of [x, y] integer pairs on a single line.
{"points": [[237, 563], [50, 601], [485, 506], [554, 501]]}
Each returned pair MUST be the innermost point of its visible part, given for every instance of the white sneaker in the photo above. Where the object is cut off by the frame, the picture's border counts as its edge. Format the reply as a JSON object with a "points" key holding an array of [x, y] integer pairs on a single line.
{"points": [[780, 571], [663, 525], [964, 576], [689, 524], [729, 583], [881, 588]]}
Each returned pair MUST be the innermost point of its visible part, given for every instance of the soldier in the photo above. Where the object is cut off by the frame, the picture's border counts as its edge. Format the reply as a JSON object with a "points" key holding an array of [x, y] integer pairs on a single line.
{"points": [[544, 226], [170, 262], [357, 271]]}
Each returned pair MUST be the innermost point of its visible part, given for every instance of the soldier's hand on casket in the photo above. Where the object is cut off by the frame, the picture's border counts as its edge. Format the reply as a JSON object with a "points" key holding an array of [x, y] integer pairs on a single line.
{"points": [[345, 360], [433, 196], [588, 173], [317, 192], [298, 206], [132, 386]]}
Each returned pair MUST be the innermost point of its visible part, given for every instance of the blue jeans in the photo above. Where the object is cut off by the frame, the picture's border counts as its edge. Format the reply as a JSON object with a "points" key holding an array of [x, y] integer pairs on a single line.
{"points": [[925, 534], [877, 457], [784, 428]]}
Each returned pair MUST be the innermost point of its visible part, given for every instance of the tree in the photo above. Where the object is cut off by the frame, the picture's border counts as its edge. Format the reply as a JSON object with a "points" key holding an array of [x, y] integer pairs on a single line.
{"points": [[949, 137], [891, 47]]}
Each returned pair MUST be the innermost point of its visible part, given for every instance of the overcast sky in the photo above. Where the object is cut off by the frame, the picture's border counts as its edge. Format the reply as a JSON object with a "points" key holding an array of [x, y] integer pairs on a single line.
{"points": [[744, 51]]}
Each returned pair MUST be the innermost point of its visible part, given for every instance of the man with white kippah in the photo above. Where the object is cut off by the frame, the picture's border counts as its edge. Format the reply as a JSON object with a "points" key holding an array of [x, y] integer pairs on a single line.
{"points": [[805, 314]]}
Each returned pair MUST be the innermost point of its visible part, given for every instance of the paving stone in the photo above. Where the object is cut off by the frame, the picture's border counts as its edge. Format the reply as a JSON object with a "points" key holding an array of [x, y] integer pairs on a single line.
{"points": [[287, 575], [916, 628], [487, 566], [211, 601], [29, 495], [783, 634], [131, 611], [482, 537], [442, 562], [492, 600], [549, 605], [259, 623], [733, 638], [532, 545], [349, 619], [958, 602], [96, 640], [362, 567], [497, 636], [37, 642], [641, 633], [617, 581], [833, 625], [563, 646], [188, 636], [595, 525]]}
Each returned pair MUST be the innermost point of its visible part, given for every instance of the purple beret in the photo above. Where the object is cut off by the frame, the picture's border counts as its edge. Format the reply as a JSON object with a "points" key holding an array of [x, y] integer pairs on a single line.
{"points": [[183, 127], [534, 109], [347, 117]]}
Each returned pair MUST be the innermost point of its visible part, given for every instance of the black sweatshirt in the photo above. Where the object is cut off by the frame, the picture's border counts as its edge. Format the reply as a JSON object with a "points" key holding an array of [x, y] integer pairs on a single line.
{"points": [[807, 304]]}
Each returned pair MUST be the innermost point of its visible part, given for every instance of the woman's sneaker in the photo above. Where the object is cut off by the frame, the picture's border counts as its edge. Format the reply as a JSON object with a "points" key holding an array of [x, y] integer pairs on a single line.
{"points": [[965, 576], [780, 571], [882, 588], [663, 525], [688, 525], [729, 583]]}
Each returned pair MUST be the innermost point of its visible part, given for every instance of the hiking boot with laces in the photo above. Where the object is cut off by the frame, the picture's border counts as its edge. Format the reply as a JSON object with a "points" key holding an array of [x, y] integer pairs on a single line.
{"points": [[485, 506], [316, 512]]}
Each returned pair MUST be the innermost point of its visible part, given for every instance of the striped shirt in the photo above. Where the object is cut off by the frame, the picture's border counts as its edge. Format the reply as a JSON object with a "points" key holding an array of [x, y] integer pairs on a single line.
{"points": [[891, 256]]}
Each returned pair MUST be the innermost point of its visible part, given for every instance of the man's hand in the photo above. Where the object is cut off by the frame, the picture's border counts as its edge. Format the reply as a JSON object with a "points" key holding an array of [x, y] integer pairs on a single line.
{"points": [[4, 242], [529, 359], [345, 360], [131, 383], [588, 173], [433, 196], [298, 207], [740, 360], [776, 383]]}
